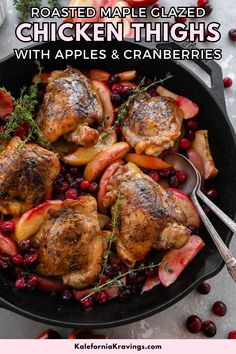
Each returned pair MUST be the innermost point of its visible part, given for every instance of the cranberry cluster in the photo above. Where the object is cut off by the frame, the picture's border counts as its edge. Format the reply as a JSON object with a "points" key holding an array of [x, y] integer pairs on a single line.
{"points": [[70, 184], [173, 176]]}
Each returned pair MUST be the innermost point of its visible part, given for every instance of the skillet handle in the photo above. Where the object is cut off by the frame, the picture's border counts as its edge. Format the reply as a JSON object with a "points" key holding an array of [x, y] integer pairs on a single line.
{"points": [[209, 66]]}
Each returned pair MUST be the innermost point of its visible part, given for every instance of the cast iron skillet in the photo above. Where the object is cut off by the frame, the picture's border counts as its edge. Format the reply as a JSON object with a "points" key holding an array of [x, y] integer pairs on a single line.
{"points": [[41, 307]]}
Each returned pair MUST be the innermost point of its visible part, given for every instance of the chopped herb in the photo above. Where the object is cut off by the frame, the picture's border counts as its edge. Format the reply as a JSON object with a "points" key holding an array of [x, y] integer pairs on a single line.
{"points": [[167, 268]]}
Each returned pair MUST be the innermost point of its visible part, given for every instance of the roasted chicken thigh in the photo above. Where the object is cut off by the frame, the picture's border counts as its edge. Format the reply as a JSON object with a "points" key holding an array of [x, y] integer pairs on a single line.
{"points": [[70, 105], [26, 176], [70, 243], [146, 215], [152, 124]]}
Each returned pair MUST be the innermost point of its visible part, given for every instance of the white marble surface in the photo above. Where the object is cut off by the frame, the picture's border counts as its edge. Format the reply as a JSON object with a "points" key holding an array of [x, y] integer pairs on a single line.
{"points": [[169, 323]]}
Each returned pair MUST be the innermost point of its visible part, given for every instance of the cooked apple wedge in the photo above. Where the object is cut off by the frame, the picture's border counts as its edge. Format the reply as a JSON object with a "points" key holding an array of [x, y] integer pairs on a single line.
{"points": [[151, 282], [185, 203], [7, 245], [105, 98], [128, 75], [31, 221], [147, 161], [100, 75], [201, 145], [64, 147], [175, 261], [189, 108], [110, 171], [197, 161], [103, 159], [50, 285], [82, 155]]}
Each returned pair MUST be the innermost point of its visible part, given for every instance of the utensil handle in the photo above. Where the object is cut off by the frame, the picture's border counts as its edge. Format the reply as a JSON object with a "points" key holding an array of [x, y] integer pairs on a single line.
{"points": [[225, 218], [230, 261]]}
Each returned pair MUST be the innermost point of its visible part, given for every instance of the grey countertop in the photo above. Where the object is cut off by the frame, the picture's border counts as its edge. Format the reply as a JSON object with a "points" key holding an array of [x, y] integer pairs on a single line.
{"points": [[169, 323]]}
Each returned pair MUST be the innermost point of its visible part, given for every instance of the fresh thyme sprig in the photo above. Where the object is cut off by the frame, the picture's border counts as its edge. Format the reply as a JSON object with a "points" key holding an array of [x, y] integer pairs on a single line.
{"points": [[112, 237], [24, 6], [24, 107], [123, 109], [116, 279]]}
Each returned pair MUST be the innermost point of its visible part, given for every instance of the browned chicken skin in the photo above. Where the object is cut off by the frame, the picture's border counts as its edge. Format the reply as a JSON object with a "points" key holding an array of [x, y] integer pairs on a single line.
{"points": [[70, 105], [152, 124], [70, 243], [26, 176], [147, 215]]}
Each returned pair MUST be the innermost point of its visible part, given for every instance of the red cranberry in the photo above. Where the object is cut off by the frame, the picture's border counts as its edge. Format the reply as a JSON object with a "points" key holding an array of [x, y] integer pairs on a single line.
{"points": [[219, 308], [74, 171], [232, 35], [227, 82], [209, 329], [69, 177], [67, 295], [72, 194], [62, 168], [113, 79], [108, 227], [204, 288], [24, 246], [101, 297], [61, 187], [93, 187], [194, 324], [208, 8], [125, 91], [181, 176], [173, 181], [193, 229], [212, 193], [104, 279], [202, 3], [32, 282], [152, 92], [59, 196], [7, 227], [166, 173], [232, 335], [31, 257], [154, 175], [180, 19], [87, 303], [185, 144], [5, 262], [17, 259], [20, 132], [21, 283], [84, 185], [191, 135], [116, 98]]}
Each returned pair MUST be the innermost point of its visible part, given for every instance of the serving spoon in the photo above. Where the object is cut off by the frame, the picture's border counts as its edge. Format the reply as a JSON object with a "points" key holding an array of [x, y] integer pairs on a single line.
{"points": [[192, 187]]}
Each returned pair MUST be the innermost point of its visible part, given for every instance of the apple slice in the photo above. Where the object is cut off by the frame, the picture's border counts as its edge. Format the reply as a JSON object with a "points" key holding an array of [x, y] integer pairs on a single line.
{"points": [[50, 285], [128, 75], [147, 161], [103, 159], [201, 145], [31, 221], [6, 104], [196, 160], [7, 245], [82, 155], [104, 94], [97, 74], [63, 146], [175, 261], [150, 282], [110, 171], [124, 83], [189, 108], [185, 203]]}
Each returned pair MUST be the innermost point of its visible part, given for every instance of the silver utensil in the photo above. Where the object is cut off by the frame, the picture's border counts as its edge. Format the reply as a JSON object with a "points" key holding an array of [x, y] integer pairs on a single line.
{"points": [[192, 187]]}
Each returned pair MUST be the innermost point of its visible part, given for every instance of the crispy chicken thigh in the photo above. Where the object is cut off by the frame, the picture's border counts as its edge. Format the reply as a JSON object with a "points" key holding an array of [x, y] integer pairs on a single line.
{"points": [[70, 243], [70, 105], [152, 124], [147, 215], [26, 176]]}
